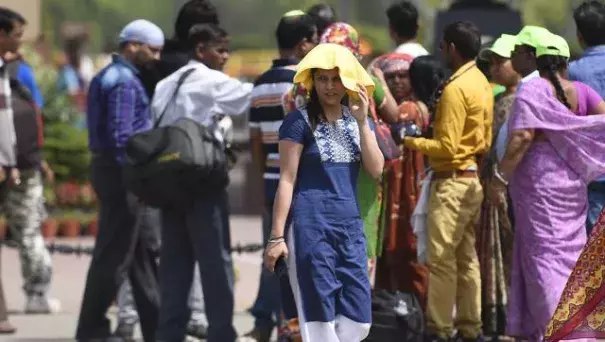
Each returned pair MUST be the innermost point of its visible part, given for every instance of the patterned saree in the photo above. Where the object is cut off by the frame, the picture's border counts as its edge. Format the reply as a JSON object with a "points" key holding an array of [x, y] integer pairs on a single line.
{"points": [[581, 310]]}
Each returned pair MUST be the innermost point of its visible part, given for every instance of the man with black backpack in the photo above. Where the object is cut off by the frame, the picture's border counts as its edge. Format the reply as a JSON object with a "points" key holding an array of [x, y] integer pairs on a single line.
{"points": [[199, 230]]}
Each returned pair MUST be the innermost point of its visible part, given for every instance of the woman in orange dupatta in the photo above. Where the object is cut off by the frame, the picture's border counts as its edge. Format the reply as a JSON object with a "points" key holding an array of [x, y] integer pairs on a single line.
{"points": [[581, 310], [398, 268]]}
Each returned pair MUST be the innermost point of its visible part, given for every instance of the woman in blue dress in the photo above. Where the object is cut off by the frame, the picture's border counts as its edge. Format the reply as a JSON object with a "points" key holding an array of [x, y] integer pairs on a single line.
{"points": [[317, 224]]}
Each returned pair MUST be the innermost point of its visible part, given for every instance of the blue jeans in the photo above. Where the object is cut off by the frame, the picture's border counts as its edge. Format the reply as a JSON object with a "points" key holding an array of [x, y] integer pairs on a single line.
{"points": [[267, 307], [596, 201], [198, 233]]}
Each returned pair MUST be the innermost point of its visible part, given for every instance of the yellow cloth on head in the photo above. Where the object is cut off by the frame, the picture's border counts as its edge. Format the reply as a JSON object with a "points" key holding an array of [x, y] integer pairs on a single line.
{"points": [[329, 56]]}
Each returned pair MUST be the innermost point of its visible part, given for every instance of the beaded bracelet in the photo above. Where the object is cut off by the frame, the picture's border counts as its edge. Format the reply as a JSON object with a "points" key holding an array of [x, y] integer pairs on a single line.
{"points": [[500, 177], [276, 239]]}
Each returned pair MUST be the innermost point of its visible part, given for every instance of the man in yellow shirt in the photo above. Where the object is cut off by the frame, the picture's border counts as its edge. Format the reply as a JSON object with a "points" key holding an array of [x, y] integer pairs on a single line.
{"points": [[462, 132]]}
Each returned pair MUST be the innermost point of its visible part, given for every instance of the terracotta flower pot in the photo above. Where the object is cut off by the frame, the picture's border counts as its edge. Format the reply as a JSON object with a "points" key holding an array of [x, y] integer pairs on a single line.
{"points": [[49, 228], [93, 227], [3, 228], [70, 228]]}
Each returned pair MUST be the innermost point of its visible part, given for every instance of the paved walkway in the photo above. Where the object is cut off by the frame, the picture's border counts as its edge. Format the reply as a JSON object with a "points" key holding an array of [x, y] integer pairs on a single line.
{"points": [[68, 287]]}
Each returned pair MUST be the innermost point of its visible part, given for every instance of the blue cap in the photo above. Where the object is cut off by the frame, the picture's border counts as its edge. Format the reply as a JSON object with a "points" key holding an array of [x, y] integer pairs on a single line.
{"points": [[142, 31]]}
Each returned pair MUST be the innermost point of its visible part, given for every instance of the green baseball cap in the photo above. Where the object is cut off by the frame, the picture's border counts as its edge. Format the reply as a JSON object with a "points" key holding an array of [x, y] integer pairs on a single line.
{"points": [[532, 36], [555, 46], [293, 13], [502, 47]]}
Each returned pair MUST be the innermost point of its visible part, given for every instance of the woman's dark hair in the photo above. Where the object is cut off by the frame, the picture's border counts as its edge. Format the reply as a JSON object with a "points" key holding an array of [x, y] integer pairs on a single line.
{"points": [[204, 34], [549, 65], [590, 21], [314, 108], [427, 77], [465, 36], [403, 19], [323, 15], [194, 12]]}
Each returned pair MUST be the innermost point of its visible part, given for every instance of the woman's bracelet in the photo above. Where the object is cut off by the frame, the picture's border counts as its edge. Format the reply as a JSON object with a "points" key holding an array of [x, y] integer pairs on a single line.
{"points": [[500, 177], [276, 239]]}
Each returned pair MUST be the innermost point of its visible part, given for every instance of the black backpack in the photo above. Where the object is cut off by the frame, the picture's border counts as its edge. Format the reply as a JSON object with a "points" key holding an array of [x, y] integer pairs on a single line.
{"points": [[170, 166], [25, 119], [396, 317]]}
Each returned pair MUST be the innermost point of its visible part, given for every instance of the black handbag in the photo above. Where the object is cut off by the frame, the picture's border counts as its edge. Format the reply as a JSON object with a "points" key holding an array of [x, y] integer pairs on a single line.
{"points": [[396, 317], [170, 166]]}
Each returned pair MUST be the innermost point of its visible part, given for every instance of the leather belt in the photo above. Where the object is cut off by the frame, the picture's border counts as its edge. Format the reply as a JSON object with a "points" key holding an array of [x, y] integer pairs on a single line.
{"points": [[455, 174]]}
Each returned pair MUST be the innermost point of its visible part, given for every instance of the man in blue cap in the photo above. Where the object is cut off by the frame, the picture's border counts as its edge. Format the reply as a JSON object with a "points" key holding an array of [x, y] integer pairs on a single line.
{"points": [[118, 107], [590, 23]]}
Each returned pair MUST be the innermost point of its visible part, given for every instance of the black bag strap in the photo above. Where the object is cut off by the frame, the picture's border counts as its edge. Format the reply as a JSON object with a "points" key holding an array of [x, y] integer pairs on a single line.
{"points": [[179, 83]]}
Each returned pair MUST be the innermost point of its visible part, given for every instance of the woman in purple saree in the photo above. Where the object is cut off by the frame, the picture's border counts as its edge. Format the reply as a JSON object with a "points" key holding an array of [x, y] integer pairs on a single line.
{"points": [[554, 150]]}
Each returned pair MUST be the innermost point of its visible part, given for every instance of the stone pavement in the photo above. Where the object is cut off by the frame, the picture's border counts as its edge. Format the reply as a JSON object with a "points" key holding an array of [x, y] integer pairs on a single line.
{"points": [[70, 274]]}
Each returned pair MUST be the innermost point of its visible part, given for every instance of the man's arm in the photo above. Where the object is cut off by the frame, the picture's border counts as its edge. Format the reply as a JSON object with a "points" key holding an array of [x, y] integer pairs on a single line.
{"points": [[121, 104], [26, 76], [232, 96], [449, 123], [256, 140], [259, 159]]}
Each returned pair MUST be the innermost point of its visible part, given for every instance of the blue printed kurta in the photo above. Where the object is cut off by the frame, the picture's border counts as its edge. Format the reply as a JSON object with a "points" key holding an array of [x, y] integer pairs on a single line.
{"points": [[328, 260]]}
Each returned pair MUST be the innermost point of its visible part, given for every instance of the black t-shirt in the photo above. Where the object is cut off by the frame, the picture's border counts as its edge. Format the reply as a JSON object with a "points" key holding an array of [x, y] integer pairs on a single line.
{"points": [[174, 57]]}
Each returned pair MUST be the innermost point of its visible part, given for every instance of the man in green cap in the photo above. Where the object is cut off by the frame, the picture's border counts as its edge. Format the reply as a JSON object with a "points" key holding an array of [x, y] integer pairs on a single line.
{"points": [[524, 53], [523, 58]]}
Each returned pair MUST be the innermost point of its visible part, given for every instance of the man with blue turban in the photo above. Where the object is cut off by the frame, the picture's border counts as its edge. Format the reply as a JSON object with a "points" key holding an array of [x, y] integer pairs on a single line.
{"points": [[118, 107]]}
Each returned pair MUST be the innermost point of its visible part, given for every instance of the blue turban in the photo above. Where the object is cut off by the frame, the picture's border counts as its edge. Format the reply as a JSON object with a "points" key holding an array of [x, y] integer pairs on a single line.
{"points": [[142, 31]]}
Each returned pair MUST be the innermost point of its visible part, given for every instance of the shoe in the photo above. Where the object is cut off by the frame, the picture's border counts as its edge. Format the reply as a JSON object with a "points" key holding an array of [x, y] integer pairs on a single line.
{"points": [[256, 335], [41, 305], [6, 328], [434, 338], [460, 338], [125, 331], [198, 331]]}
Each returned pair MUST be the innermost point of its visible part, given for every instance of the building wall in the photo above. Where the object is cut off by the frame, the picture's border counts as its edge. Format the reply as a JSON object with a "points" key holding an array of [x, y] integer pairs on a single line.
{"points": [[30, 9]]}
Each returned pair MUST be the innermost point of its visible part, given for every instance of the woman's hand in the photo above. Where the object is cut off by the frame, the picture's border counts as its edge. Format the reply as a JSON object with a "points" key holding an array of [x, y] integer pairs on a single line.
{"points": [[360, 108], [495, 192], [379, 75], [273, 251], [47, 172], [15, 176]]}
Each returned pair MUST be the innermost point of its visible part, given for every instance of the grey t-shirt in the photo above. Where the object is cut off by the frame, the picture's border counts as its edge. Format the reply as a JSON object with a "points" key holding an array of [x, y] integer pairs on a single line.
{"points": [[8, 138]]}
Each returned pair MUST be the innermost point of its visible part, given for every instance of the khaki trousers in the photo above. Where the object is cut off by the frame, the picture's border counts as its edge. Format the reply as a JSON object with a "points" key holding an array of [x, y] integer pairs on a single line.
{"points": [[454, 278]]}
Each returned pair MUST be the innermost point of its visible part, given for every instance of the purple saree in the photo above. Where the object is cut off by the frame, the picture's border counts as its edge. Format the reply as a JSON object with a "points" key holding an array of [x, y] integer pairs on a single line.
{"points": [[548, 191]]}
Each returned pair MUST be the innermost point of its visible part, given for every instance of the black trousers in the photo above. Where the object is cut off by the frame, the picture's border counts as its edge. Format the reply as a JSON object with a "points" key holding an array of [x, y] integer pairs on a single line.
{"points": [[199, 233], [3, 311], [126, 245]]}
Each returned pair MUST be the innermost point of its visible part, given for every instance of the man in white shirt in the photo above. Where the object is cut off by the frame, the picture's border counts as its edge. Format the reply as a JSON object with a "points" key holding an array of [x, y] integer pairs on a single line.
{"points": [[11, 31], [403, 28], [200, 232]]}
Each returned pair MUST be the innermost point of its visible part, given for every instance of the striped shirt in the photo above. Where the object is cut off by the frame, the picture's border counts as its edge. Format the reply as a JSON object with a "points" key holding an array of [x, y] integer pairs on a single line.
{"points": [[267, 114]]}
